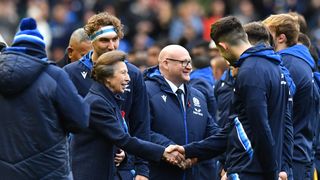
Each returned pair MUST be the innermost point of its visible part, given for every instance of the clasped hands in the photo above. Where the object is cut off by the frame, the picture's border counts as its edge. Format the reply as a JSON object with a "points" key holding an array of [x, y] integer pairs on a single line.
{"points": [[175, 154]]}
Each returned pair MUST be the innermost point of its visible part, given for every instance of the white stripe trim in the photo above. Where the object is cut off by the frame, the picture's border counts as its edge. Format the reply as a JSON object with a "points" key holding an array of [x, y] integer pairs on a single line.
{"points": [[105, 33], [29, 36]]}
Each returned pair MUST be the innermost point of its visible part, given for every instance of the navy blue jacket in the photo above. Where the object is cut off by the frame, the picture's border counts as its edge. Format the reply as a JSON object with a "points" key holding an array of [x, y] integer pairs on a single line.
{"points": [[223, 91], [93, 150], [300, 64], [202, 80], [134, 106], [260, 100], [260, 139], [169, 125], [39, 106]]}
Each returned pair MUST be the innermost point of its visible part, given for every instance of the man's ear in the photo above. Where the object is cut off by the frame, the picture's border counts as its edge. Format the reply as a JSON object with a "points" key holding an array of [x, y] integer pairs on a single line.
{"points": [[223, 45], [69, 50], [282, 38]]}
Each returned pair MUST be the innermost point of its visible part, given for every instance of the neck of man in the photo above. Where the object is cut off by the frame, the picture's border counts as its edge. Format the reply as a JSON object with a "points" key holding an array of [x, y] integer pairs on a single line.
{"points": [[94, 57], [177, 84], [281, 46], [242, 48]]}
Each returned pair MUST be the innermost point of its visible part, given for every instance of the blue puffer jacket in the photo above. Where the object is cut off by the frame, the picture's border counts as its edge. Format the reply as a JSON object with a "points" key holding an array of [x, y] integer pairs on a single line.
{"points": [[169, 125], [305, 102], [39, 106]]}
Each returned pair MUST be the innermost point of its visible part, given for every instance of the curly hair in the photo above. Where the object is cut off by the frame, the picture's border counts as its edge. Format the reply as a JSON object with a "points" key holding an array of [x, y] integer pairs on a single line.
{"points": [[97, 21]]}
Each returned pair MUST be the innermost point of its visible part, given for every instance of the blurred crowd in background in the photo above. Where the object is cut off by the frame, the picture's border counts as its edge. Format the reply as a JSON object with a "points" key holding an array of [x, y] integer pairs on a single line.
{"points": [[148, 24]]}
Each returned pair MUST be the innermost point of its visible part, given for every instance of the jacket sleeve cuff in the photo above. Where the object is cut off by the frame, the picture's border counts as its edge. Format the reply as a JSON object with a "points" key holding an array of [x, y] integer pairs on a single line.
{"points": [[142, 170], [285, 168], [189, 152]]}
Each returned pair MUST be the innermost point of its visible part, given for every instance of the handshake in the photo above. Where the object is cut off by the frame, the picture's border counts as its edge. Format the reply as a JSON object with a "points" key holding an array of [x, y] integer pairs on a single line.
{"points": [[175, 155]]}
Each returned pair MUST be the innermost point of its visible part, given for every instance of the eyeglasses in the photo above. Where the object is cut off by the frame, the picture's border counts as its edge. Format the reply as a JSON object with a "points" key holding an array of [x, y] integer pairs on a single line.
{"points": [[184, 63]]}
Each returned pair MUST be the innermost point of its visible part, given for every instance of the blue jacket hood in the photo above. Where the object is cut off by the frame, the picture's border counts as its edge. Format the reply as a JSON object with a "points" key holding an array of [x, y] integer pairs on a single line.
{"points": [[260, 50], [86, 60], [18, 71], [205, 73], [267, 52], [151, 72], [299, 51]]}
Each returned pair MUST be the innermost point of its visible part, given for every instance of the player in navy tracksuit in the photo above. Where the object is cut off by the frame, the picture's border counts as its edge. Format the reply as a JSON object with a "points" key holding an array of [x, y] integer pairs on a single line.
{"points": [[105, 38], [223, 91], [300, 64], [255, 147], [172, 122], [202, 79], [297, 59]]}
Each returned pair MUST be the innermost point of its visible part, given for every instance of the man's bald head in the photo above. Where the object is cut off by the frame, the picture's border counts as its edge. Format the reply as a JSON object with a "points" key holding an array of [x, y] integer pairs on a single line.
{"points": [[79, 44], [175, 64], [171, 51]]}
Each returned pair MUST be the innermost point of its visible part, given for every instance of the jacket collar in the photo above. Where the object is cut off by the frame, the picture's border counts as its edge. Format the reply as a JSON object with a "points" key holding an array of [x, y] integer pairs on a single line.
{"points": [[87, 61], [301, 52], [260, 50], [106, 93]]}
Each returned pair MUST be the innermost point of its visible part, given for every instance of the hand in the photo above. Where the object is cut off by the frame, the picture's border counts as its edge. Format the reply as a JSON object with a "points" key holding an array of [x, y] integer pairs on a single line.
{"points": [[139, 177], [119, 157], [178, 148], [173, 154], [188, 163], [283, 175], [223, 175]]}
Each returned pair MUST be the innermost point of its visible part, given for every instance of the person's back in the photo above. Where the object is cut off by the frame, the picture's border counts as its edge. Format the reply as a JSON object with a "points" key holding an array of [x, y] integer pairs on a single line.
{"points": [[35, 122], [298, 60], [303, 106]]}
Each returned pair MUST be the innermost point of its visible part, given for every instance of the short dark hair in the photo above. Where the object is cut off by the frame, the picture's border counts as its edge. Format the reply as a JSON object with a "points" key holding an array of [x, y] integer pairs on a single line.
{"points": [[79, 35], [228, 29], [257, 32], [104, 67], [199, 62], [304, 39]]}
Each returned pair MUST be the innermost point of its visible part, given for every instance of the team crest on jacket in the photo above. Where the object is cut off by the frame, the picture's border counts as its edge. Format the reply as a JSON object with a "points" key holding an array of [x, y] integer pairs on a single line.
{"points": [[196, 102], [164, 97], [84, 74], [197, 106]]}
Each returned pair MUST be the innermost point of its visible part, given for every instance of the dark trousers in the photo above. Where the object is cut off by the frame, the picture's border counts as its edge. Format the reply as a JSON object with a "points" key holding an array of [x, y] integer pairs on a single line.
{"points": [[254, 176], [123, 175], [302, 171]]}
